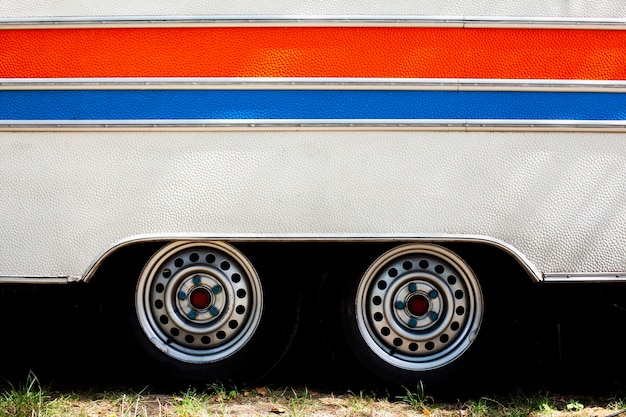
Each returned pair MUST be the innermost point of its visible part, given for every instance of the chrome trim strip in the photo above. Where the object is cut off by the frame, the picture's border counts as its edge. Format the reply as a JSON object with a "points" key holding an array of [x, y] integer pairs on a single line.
{"points": [[411, 84], [38, 280], [353, 238], [584, 277], [313, 124], [357, 20]]}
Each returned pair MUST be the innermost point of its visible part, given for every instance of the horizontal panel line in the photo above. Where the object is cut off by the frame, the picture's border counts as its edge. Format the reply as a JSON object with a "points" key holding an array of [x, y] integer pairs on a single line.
{"points": [[310, 83], [330, 20], [416, 125]]}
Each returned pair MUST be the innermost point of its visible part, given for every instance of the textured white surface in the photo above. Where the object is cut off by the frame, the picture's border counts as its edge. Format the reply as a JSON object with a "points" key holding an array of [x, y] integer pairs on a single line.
{"points": [[67, 197], [527, 8]]}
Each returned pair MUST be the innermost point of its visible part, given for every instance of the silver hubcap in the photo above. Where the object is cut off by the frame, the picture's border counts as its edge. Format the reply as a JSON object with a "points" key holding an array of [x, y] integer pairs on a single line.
{"points": [[419, 307], [199, 302]]}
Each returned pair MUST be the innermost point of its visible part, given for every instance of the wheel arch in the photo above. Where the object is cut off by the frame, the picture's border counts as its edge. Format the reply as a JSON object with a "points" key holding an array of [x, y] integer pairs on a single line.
{"points": [[486, 257], [474, 249]]}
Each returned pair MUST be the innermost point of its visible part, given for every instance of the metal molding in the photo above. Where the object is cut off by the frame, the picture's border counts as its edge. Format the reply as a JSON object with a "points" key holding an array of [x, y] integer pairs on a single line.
{"points": [[585, 277], [305, 83], [286, 124], [300, 238], [327, 21]]}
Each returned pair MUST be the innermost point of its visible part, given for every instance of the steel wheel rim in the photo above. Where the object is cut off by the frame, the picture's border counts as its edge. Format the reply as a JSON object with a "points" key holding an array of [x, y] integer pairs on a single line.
{"points": [[199, 302], [419, 307]]}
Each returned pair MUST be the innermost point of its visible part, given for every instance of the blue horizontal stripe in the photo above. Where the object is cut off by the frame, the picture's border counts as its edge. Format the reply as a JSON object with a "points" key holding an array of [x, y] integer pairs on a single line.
{"points": [[85, 105]]}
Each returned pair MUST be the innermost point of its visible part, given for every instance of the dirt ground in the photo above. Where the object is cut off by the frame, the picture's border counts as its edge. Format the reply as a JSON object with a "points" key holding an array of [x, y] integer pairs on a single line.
{"points": [[265, 402]]}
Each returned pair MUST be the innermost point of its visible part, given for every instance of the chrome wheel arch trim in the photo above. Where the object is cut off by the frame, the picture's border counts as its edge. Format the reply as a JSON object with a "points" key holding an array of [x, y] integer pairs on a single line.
{"points": [[535, 274], [235, 238]]}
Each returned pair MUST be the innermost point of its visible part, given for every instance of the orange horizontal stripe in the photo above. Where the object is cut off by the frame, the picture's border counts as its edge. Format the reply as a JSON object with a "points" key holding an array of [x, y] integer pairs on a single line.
{"points": [[387, 52]]}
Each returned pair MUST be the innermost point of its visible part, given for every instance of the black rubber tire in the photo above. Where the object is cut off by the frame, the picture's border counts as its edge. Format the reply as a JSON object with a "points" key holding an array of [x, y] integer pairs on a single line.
{"points": [[255, 355], [432, 347]]}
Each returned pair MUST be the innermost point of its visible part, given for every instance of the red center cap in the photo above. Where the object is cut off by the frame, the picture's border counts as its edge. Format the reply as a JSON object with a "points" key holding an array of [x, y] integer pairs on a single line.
{"points": [[418, 305], [200, 298]]}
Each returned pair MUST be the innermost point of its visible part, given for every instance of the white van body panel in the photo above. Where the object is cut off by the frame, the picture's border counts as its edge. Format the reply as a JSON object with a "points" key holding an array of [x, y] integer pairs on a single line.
{"points": [[557, 197], [70, 194]]}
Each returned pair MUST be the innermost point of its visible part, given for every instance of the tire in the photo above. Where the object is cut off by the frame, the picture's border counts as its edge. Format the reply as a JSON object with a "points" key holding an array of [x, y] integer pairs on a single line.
{"points": [[201, 312], [415, 315]]}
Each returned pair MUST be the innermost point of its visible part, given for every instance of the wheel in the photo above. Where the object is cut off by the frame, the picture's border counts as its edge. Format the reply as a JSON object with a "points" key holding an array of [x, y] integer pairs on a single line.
{"points": [[414, 314], [201, 312]]}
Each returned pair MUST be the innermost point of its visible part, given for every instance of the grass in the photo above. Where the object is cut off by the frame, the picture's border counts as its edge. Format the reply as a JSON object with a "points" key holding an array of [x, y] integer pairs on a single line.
{"points": [[32, 399], [361, 401], [417, 400], [299, 402], [27, 399], [196, 403], [130, 405]]}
